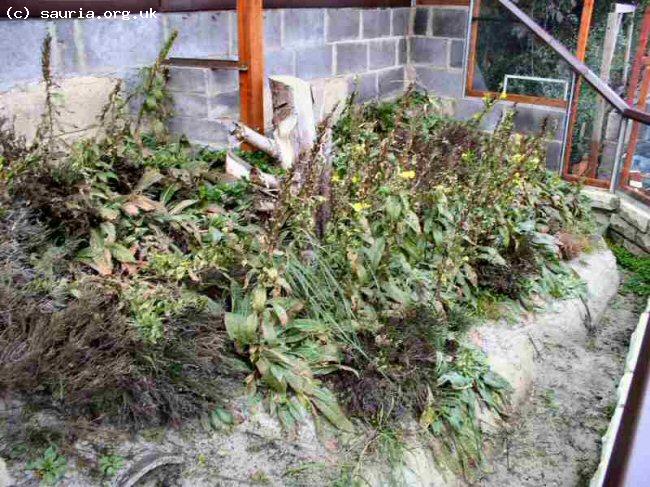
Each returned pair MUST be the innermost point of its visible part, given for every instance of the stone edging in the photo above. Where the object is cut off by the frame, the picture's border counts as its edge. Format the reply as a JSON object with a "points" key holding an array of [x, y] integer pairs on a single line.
{"points": [[623, 219]]}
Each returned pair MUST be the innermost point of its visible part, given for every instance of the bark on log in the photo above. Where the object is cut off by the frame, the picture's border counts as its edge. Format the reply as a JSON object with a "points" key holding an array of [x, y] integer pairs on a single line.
{"points": [[246, 134], [324, 210], [293, 117], [294, 126]]}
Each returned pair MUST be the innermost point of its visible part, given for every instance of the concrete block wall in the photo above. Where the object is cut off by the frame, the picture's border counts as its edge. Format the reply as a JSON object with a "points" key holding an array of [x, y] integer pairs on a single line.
{"points": [[374, 51], [623, 219], [338, 50], [437, 49], [436, 62]]}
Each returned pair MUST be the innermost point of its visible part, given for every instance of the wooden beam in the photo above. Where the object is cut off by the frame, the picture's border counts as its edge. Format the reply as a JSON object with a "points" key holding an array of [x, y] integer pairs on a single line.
{"points": [[205, 63], [581, 51], [640, 66], [250, 22], [471, 62], [609, 44], [517, 98], [639, 58]]}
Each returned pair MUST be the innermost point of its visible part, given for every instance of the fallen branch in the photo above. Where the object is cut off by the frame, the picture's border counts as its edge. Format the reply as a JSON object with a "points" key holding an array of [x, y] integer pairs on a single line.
{"points": [[246, 134], [238, 168], [145, 465]]}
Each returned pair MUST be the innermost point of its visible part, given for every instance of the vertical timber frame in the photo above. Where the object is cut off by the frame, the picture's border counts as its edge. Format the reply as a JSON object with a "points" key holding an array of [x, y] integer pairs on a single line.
{"points": [[637, 93], [581, 51], [250, 28]]}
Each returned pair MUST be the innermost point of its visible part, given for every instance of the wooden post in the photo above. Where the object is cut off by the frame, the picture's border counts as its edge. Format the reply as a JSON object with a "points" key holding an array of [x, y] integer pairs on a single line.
{"points": [[611, 35], [581, 50], [250, 23]]}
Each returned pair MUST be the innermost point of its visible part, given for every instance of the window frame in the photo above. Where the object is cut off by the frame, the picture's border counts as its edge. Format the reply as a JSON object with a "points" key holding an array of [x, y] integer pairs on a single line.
{"points": [[471, 64]]}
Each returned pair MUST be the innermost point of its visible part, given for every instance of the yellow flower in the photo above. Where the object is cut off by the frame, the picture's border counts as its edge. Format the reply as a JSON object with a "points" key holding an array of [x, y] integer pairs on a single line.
{"points": [[503, 95], [407, 174], [360, 206], [336, 178]]}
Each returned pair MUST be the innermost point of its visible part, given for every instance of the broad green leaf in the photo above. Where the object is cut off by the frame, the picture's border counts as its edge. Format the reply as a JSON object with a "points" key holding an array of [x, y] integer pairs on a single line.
{"points": [[411, 219], [376, 251], [456, 380], [148, 179], [179, 207], [258, 300], [122, 254], [241, 328], [326, 403], [108, 213], [109, 232], [393, 207]]}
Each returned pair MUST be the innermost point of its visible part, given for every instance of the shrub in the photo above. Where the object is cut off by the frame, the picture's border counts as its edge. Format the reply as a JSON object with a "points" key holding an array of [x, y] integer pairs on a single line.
{"points": [[142, 267]]}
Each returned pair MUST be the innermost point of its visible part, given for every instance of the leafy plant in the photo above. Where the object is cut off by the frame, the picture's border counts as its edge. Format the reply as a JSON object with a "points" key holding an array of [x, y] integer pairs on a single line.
{"points": [[50, 467], [110, 465], [639, 282], [347, 295]]}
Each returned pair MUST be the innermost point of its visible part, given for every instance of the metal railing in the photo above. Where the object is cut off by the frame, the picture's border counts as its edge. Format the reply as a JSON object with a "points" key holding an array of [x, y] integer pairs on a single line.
{"points": [[578, 67], [631, 115]]}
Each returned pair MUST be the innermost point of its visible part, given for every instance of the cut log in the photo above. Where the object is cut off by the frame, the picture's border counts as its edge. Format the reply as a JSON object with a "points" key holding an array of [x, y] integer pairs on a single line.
{"points": [[238, 168], [294, 126], [246, 134], [293, 117]]}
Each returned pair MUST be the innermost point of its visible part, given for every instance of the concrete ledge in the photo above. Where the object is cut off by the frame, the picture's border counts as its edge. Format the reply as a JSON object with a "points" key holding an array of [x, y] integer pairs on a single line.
{"points": [[601, 199]]}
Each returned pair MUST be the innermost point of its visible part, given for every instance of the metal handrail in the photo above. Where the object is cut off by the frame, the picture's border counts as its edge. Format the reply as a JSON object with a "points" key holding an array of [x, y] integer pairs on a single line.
{"points": [[578, 67]]}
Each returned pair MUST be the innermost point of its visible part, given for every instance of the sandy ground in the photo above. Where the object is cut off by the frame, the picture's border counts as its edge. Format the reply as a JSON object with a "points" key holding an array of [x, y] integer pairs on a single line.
{"points": [[553, 441], [555, 438]]}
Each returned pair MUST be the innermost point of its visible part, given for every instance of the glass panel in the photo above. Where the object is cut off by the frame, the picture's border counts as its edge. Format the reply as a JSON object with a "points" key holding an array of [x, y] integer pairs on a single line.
{"points": [[595, 137], [509, 58], [624, 48], [638, 178]]}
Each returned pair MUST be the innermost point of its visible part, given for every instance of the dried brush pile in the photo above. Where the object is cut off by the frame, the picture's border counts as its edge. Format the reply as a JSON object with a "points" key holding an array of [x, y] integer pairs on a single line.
{"points": [[134, 277]]}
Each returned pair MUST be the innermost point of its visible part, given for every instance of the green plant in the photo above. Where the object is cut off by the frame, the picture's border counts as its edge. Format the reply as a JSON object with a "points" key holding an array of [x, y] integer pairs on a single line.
{"points": [[639, 266], [50, 467], [110, 465], [350, 300]]}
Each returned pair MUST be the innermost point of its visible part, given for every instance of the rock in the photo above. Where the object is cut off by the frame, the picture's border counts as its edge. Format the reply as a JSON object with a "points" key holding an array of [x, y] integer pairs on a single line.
{"points": [[5, 478], [643, 241], [602, 199], [511, 354], [623, 227], [634, 248], [635, 215]]}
